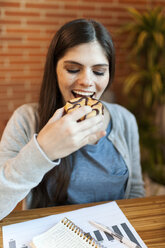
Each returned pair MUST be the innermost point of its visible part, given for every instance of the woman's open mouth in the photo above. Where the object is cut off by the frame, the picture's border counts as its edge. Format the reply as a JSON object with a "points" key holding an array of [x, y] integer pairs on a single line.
{"points": [[77, 93]]}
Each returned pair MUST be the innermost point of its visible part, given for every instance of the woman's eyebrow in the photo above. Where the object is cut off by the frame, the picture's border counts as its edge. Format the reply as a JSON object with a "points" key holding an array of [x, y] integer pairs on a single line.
{"points": [[77, 63], [100, 65], [72, 62]]}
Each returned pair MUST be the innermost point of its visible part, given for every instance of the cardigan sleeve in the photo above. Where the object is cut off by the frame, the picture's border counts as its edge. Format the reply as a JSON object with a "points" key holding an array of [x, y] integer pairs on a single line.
{"points": [[22, 163], [137, 184]]}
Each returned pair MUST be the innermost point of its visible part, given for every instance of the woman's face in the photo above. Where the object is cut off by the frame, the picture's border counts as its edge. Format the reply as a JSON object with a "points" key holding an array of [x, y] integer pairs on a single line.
{"points": [[83, 71]]}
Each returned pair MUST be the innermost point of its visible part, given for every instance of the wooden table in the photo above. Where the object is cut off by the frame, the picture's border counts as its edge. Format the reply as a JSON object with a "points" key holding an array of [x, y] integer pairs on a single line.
{"points": [[147, 215]]}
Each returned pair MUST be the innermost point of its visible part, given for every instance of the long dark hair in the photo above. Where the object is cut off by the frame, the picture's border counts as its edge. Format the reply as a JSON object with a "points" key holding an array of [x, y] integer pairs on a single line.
{"points": [[52, 190]]}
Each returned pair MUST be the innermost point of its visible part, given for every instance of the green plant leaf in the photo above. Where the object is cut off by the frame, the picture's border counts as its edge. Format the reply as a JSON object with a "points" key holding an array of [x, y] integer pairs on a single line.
{"points": [[159, 39], [130, 81], [157, 83], [147, 98], [141, 39], [135, 13]]}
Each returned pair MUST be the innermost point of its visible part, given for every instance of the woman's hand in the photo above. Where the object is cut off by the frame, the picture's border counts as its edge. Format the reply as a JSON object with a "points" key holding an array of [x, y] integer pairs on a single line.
{"points": [[63, 135]]}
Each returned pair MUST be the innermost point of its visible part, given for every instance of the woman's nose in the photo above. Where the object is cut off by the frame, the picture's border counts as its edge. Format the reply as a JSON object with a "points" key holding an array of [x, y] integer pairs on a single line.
{"points": [[85, 79]]}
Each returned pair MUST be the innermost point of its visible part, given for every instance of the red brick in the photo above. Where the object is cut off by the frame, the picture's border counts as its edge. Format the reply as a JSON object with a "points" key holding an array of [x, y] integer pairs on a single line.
{"points": [[42, 6], [9, 4], [61, 15], [14, 30], [24, 46], [7, 38], [21, 13], [4, 70], [11, 54], [112, 9], [42, 23], [160, 2], [9, 69], [24, 62], [98, 1], [2, 77], [78, 7], [52, 31], [132, 2], [38, 38], [24, 77], [37, 54], [10, 22], [98, 16]]}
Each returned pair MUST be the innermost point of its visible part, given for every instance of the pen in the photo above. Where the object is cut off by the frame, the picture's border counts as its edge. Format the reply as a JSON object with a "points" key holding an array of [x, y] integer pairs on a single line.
{"points": [[116, 236]]}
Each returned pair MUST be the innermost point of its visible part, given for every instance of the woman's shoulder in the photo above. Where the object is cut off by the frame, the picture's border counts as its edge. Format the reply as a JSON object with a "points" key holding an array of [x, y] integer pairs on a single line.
{"points": [[22, 124], [25, 117], [27, 114], [28, 108]]}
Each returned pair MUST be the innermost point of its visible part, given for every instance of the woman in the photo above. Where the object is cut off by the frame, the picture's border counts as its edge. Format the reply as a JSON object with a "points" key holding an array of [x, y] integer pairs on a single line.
{"points": [[49, 158]]}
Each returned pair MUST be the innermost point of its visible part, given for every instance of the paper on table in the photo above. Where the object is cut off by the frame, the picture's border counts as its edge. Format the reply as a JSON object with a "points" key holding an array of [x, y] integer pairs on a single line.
{"points": [[109, 214]]}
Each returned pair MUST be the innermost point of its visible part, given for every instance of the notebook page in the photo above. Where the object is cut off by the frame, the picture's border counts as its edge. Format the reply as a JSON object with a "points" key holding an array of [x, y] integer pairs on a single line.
{"points": [[61, 236]]}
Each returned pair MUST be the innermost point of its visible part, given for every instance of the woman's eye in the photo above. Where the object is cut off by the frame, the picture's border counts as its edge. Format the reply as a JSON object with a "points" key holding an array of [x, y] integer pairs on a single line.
{"points": [[72, 71], [98, 73]]}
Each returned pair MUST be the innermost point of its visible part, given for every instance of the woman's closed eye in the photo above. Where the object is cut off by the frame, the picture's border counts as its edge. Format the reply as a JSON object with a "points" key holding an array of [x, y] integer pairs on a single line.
{"points": [[98, 73], [73, 71]]}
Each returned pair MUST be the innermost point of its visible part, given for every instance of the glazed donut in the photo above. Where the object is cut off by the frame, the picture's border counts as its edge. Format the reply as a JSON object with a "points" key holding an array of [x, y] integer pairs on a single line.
{"points": [[75, 103]]}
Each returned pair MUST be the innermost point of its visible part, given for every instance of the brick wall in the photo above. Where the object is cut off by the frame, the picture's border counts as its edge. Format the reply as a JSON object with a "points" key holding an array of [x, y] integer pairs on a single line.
{"points": [[26, 28]]}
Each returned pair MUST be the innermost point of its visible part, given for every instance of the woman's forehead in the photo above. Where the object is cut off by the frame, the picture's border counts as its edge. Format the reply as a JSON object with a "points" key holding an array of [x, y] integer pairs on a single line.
{"points": [[91, 51]]}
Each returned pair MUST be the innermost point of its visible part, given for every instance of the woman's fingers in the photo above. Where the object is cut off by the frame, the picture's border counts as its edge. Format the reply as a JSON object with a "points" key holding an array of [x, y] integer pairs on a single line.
{"points": [[57, 115], [84, 132], [93, 138], [77, 114], [92, 128], [91, 123], [93, 133], [63, 135]]}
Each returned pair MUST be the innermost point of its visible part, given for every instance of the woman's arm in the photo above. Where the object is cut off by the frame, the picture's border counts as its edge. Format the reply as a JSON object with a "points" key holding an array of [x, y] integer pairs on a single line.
{"points": [[22, 164], [24, 159]]}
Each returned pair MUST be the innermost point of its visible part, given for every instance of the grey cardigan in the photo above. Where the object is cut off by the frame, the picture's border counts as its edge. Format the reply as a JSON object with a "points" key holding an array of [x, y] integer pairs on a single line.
{"points": [[23, 164]]}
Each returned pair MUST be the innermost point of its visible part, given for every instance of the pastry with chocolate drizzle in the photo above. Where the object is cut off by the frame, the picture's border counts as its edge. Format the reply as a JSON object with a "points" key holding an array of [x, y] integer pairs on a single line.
{"points": [[75, 103]]}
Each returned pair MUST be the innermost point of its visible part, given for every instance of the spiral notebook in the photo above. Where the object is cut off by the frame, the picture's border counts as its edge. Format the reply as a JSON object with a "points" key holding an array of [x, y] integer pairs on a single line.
{"points": [[64, 234]]}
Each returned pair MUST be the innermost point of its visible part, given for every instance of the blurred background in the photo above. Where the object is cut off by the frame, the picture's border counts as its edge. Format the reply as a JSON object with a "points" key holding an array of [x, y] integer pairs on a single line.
{"points": [[138, 31]]}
